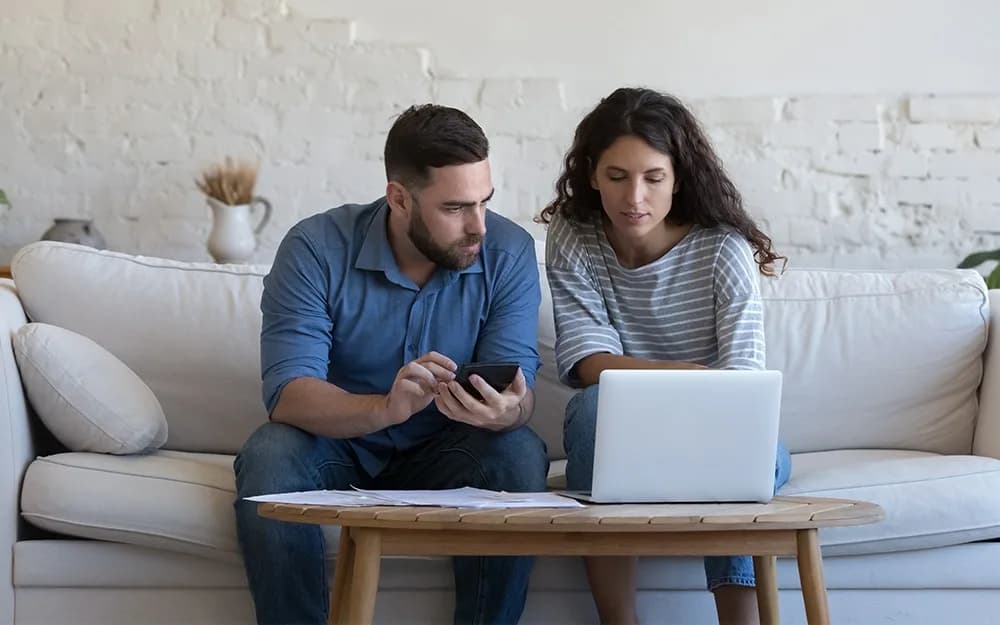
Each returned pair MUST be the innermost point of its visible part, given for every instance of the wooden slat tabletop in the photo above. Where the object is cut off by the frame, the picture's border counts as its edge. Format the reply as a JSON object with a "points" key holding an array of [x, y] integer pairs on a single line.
{"points": [[781, 513]]}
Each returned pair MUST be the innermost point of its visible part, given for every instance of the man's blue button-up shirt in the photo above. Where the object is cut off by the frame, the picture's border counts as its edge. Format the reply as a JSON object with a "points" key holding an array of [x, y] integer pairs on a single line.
{"points": [[337, 307]]}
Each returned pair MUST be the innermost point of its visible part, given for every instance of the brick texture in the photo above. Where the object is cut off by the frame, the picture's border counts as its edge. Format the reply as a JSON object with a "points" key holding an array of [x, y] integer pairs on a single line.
{"points": [[111, 115]]}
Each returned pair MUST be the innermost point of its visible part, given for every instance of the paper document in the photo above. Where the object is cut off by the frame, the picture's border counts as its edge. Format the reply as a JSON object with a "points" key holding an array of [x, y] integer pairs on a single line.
{"points": [[467, 497]]}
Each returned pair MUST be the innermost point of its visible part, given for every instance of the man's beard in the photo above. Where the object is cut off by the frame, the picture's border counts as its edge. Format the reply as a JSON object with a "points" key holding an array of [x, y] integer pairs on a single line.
{"points": [[451, 257]]}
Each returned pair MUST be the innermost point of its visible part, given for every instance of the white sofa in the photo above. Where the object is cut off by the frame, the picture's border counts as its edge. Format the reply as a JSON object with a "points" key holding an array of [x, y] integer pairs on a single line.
{"points": [[882, 402]]}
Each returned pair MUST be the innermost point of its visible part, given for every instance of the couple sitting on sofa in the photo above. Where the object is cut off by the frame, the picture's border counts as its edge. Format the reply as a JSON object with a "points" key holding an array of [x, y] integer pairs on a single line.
{"points": [[368, 309]]}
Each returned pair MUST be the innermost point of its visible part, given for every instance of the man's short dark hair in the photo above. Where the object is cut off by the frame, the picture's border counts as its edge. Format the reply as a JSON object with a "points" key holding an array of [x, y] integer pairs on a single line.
{"points": [[431, 135]]}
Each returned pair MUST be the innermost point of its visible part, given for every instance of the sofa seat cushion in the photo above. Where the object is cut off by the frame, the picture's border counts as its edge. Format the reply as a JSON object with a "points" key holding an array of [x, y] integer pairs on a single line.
{"points": [[170, 500], [930, 500], [178, 501], [184, 501]]}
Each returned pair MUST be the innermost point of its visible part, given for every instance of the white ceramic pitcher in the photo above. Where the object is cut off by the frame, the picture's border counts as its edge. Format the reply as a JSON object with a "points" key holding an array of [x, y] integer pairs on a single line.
{"points": [[233, 238]]}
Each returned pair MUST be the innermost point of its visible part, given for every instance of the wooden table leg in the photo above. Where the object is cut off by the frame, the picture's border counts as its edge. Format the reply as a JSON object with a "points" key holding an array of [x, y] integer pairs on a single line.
{"points": [[364, 584], [811, 576], [342, 573], [767, 589]]}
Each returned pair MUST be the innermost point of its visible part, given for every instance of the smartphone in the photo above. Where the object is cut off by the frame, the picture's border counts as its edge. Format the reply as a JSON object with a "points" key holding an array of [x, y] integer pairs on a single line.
{"points": [[499, 375]]}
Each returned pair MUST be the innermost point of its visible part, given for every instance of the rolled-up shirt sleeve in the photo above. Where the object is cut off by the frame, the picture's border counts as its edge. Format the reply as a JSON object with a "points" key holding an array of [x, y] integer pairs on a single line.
{"points": [[295, 336], [581, 318]]}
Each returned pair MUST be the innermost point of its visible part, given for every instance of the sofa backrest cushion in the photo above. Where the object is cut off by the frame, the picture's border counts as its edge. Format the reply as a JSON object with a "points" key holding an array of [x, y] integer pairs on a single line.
{"points": [[551, 395], [870, 359], [888, 359], [191, 331]]}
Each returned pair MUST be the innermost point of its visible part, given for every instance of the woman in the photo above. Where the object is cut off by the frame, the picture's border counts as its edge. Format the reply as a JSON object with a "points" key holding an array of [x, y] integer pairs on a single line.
{"points": [[652, 262]]}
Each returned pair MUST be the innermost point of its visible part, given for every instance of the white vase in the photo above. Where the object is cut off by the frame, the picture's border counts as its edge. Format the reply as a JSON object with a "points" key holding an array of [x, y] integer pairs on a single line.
{"points": [[234, 238]]}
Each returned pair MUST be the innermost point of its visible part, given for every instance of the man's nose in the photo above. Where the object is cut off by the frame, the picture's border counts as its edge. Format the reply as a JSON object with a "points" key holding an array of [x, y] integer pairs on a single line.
{"points": [[475, 223]]}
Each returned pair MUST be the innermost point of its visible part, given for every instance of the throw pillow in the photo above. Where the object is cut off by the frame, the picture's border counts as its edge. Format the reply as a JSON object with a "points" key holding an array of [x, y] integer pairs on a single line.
{"points": [[88, 398]]}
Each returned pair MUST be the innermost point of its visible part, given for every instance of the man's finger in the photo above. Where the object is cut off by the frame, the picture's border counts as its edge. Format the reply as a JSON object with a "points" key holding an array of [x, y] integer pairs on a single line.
{"points": [[416, 370], [419, 387], [520, 385], [440, 373], [489, 394], [468, 402], [438, 359], [449, 406]]}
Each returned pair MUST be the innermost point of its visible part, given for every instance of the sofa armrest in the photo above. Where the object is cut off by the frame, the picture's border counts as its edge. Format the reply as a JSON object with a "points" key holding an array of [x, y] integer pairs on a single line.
{"points": [[15, 437], [987, 436]]}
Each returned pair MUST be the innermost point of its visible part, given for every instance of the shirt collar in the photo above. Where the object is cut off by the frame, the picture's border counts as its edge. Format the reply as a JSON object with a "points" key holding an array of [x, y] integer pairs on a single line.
{"points": [[376, 253]]}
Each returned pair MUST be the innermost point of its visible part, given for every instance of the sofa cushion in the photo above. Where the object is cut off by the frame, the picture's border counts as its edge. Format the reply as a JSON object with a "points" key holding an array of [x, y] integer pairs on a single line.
{"points": [[191, 331], [882, 360], [930, 500], [89, 399], [171, 500], [877, 360], [184, 501], [551, 395], [167, 499], [177, 501]]}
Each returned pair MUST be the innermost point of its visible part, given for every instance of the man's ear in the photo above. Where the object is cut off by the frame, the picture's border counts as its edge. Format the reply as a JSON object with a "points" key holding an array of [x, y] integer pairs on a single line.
{"points": [[398, 197]]}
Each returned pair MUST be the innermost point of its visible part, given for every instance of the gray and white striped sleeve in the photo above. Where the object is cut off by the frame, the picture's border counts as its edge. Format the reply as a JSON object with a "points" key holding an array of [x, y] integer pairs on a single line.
{"points": [[739, 313], [582, 324]]}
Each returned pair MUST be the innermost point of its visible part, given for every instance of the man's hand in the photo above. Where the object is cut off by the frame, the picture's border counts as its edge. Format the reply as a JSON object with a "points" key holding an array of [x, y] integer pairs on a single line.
{"points": [[496, 411], [416, 385]]}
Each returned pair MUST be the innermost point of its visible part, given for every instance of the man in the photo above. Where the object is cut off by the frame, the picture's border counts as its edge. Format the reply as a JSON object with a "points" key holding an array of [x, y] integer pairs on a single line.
{"points": [[368, 309]]}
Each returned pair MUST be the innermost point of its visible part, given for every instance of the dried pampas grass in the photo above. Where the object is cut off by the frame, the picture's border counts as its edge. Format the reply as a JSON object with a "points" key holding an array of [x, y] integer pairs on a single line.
{"points": [[230, 183]]}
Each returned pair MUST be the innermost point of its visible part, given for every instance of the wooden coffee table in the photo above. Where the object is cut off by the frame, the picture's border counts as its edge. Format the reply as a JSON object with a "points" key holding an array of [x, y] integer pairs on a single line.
{"points": [[785, 526]]}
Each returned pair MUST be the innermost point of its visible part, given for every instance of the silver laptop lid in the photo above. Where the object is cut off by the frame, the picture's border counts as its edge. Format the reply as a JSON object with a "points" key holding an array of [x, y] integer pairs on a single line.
{"points": [[686, 435]]}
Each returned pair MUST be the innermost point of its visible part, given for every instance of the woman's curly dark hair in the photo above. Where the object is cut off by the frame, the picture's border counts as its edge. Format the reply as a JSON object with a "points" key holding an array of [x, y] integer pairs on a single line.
{"points": [[705, 195]]}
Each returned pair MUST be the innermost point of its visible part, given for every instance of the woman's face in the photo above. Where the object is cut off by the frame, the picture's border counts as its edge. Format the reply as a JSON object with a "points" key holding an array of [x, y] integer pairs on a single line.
{"points": [[637, 186]]}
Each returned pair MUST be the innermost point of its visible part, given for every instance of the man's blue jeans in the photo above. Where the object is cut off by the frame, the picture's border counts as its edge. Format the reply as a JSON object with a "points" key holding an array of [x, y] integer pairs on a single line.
{"points": [[285, 566], [578, 439]]}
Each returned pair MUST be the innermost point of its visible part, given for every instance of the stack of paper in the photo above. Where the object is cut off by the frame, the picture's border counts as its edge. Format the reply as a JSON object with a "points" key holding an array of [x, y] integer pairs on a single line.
{"points": [[467, 497]]}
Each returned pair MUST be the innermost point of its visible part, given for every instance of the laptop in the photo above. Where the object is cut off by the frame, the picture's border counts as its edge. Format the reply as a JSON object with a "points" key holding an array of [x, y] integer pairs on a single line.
{"points": [[668, 436]]}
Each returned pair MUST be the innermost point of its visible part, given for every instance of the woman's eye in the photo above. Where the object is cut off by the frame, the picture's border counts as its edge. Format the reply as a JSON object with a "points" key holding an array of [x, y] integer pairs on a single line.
{"points": [[654, 180], [616, 178]]}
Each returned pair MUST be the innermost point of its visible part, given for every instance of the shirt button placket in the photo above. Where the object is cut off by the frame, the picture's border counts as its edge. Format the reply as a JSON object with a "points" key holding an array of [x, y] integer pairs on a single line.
{"points": [[413, 330]]}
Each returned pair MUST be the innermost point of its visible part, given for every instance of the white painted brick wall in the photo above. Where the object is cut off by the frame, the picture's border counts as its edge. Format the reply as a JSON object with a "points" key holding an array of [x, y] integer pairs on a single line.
{"points": [[112, 113], [980, 109]]}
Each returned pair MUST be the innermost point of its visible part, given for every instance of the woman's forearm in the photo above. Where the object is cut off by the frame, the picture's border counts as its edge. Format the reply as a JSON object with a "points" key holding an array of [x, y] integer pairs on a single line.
{"points": [[588, 370]]}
